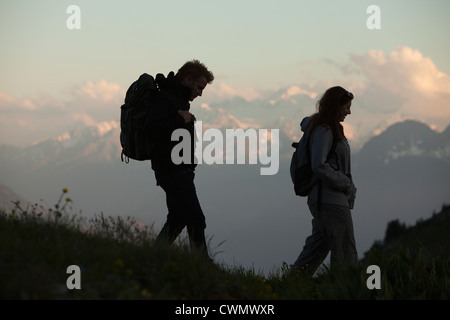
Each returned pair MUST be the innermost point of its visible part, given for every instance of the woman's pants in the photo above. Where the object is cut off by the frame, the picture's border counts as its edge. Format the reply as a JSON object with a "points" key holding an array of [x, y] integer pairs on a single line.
{"points": [[332, 230]]}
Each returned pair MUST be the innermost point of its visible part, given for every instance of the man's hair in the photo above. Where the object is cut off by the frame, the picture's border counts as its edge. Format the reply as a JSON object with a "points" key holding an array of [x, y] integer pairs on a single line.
{"points": [[194, 69]]}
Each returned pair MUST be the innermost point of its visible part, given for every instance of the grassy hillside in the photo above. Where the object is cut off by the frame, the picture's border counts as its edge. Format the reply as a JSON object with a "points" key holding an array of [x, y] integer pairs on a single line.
{"points": [[118, 260], [432, 236]]}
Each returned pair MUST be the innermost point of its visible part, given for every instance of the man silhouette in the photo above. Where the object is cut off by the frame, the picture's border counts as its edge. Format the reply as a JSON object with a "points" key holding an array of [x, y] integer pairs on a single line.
{"points": [[170, 112]]}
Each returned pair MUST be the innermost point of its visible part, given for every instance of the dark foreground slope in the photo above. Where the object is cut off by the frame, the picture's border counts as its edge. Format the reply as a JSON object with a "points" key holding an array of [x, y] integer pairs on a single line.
{"points": [[117, 259], [430, 236]]}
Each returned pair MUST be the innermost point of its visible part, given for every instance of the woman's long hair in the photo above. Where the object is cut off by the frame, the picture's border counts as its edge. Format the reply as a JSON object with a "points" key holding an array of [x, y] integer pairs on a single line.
{"points": [[329, 111]]}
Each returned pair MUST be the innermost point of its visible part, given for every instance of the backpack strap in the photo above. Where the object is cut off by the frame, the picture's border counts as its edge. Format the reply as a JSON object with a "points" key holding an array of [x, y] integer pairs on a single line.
{"points": [[123, 156]]}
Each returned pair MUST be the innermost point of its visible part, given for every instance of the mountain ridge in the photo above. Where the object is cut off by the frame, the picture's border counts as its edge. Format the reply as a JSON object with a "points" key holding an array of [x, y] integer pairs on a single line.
{"points": [[101, 142], [407, 138]]}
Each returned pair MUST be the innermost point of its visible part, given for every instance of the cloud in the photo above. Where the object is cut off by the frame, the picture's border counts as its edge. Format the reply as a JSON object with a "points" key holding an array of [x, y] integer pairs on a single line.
{"points": [[296, 90], [11, 104], [23, 121], [401, 70], [99, 101], [223, 91], [205, 106], [404, 84], [388, 87], [82, 118], [99, 91], [95, 102], [41, 103]]}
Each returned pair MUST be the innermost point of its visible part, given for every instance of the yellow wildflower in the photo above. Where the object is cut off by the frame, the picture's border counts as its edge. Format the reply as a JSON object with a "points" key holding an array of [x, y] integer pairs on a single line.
{"points": [[119, 263], [145, 293]]}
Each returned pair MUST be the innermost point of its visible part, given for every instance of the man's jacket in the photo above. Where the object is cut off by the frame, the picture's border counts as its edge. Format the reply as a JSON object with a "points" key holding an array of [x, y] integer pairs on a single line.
{"points": [[165, 119]]}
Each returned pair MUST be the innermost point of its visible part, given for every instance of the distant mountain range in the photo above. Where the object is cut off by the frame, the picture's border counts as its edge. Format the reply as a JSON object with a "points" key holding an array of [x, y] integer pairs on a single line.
{"points": [[100, 144], [400, 173], [408, 138]]}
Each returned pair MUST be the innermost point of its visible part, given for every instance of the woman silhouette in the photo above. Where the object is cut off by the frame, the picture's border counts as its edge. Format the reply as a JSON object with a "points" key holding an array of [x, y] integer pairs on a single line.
{"points": [[333, 196]]}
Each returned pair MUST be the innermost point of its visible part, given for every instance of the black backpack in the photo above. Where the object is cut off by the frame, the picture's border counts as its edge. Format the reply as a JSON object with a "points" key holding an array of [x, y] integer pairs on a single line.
{"points": [[302, 175], [135, 136]]}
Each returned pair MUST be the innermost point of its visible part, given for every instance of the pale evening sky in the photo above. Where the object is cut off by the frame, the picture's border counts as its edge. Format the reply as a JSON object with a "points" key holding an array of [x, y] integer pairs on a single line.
{"points": [[54, 78]]}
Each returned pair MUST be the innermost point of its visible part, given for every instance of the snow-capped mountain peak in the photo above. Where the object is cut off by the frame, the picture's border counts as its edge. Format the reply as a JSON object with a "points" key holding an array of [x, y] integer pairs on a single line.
{"points": [[71, 138], [404, 139]]}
